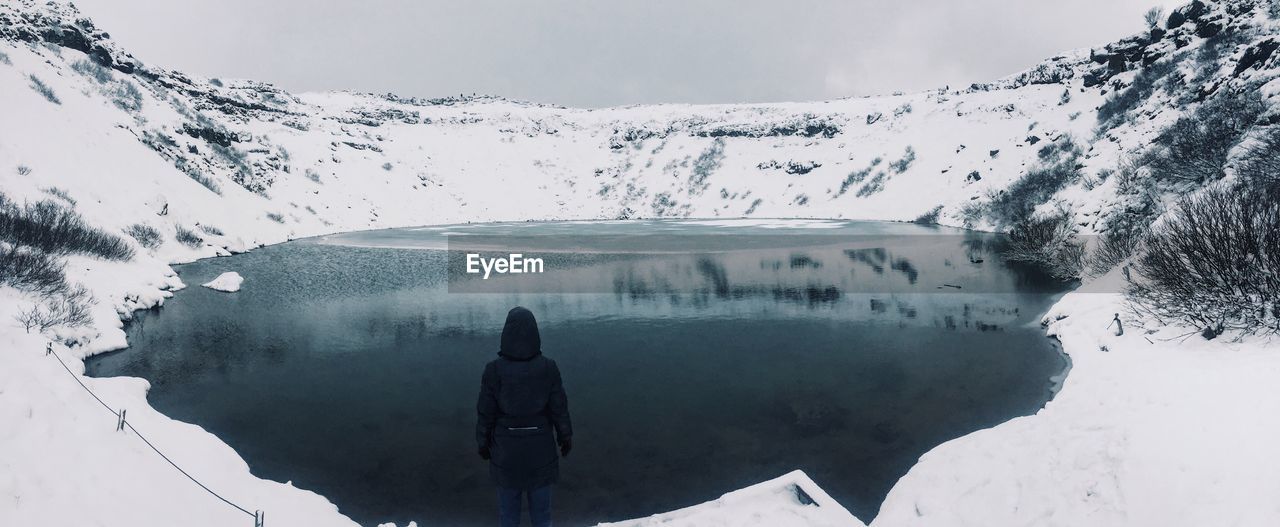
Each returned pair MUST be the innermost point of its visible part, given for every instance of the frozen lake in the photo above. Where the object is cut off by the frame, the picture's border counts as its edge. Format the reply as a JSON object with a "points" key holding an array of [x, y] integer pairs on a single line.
{"points": [[699, 357]]}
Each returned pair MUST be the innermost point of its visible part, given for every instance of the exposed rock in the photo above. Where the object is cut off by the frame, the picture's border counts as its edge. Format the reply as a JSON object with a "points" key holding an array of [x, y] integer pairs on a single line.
{"points": [[1189, 12], [1256, 55], [211, 134], [1208, 29]]}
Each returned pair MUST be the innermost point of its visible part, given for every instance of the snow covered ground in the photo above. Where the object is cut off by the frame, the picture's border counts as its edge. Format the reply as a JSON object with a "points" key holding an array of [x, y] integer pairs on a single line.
{"points": [[1149, 432]]}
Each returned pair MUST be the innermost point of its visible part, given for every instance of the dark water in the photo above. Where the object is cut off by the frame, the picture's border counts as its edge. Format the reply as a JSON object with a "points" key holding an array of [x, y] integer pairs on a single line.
{"points": [[353, 372]]}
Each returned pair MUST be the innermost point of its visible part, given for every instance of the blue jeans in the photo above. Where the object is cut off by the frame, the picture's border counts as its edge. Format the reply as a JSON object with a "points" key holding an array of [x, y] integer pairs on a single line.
{"points": [[539, 506]]}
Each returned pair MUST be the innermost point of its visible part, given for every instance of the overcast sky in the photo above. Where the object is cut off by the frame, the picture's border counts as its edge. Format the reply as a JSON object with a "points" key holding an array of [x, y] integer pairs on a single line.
{"points": [[601, 52]]}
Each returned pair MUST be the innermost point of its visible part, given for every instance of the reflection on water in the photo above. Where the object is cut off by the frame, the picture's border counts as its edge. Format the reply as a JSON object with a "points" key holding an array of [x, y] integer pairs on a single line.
{"points": [[735, 356]]}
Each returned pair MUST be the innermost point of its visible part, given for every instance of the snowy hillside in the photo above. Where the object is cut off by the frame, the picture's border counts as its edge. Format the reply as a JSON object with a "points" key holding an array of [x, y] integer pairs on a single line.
{"points": [[215, 166]]}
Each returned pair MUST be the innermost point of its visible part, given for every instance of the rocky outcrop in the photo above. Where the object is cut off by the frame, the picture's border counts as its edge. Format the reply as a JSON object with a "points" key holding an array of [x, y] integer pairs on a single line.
{"points": [[1256, 55]]}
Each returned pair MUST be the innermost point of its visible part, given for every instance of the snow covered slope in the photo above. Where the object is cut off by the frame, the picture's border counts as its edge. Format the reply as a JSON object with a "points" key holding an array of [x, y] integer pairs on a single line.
{"points": [[228, 165]]}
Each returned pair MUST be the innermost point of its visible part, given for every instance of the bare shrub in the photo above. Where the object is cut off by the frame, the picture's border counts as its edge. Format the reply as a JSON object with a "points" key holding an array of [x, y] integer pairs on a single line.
{"points": [[857, 176], [706, 164], [23, 170], [387, 166], [188, 237], [1195, 147], [1049, 244], [901, 165], [211, 230], [972, 212], [1119, 106], [70, 309], [30, 270], [930, 217], [1059, 167], [126, 96], [1114, 248], [55, 229], [93, 70], [313, 175], [1214, 263], [276, 217], [60, 194], [1259, 165], [192, 171], [875, 185], [205, 181], [146, 235], [43, 89], [4, 59], [1154, 16]]}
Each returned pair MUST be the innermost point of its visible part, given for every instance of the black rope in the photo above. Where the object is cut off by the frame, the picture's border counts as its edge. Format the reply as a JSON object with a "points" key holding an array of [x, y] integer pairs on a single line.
{"points": [[86, 388], [144, 440], [184, 473]]}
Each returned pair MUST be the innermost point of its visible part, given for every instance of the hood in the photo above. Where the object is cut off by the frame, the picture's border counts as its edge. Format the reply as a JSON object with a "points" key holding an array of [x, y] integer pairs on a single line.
{"points": [[520, 339]]}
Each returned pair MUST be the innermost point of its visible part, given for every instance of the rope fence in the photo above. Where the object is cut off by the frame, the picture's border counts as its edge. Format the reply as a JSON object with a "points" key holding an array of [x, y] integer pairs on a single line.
{"points": [[259, 517]]}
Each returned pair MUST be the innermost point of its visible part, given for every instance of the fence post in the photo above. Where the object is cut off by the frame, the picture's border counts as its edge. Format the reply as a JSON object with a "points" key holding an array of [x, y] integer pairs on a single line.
{"points": [[120, 420], [259, 519], [48, 348]]}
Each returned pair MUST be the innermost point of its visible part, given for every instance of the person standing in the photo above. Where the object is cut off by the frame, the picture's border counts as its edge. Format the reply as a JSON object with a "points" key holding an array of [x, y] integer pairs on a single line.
{"points": [[1118, 324], [522, 415]]}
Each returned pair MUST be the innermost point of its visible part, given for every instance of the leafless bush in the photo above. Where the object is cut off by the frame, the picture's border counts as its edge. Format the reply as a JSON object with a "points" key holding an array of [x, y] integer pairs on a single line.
{"points": [[211, 230], [1260, 163], [1154, 16], [929, 218], [188, 237], [1118, 108], [1049, 244], [276, 217], [4, 59], [126, 96], [192, 171], [146, 235], [70, 309], [1113, 249], [55, 229], [93, 70], [1194, 148], [857, 176], [901, 165], [1214, 263], [30, 270], [23, 170], [43, 89], [1059, 167], [60, 194]]}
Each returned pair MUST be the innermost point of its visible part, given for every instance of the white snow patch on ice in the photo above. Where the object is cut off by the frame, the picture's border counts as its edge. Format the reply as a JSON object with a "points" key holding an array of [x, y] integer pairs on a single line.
{"points": [[228, 282]]}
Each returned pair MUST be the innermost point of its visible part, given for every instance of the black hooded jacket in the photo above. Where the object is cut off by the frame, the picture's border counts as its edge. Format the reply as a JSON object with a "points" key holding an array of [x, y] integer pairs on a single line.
{"points": [[522, 411]]}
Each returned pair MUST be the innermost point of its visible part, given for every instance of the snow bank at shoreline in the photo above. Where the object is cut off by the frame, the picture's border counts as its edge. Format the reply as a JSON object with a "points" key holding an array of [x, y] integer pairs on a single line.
{"points": [[790, 499], [1146, 431]]}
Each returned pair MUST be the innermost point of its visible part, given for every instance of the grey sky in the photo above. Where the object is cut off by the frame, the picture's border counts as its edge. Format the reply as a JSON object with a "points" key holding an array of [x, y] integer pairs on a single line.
{"points": [[599, 52]]}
